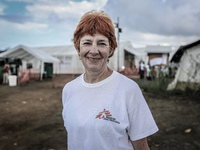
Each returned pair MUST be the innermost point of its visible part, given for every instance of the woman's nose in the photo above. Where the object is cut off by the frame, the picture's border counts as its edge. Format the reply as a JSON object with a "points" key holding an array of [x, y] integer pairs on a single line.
{"points": [[94, 49]]}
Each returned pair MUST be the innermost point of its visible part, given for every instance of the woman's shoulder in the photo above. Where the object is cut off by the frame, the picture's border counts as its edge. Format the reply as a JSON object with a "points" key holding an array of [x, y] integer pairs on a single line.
{"points": [[126, 80], [72, 83], [127, 84]]}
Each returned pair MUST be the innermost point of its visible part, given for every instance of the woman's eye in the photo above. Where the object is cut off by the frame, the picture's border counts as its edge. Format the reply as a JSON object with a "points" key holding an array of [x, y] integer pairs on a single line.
{"points": [[86, 43], [102, 44]]}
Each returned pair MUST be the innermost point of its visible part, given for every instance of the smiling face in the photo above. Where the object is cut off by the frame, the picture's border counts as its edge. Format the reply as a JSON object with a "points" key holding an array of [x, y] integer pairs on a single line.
{"points": [[94, 52], [94, 22]]}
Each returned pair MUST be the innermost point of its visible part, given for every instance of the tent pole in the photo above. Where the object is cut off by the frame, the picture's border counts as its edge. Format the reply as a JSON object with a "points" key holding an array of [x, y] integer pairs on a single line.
{"points": [[41, 70]]}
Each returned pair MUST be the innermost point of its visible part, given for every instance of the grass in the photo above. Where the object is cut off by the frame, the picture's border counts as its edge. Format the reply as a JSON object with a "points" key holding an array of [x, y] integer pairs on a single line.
{"points": [[159, 86]]}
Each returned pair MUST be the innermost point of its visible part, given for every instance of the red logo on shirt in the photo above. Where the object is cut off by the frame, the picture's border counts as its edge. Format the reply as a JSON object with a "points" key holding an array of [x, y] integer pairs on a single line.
{"points": [[105, 115]]}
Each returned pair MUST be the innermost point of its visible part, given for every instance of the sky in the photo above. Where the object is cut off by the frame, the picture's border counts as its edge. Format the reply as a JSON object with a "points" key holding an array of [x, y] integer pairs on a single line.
{"points": [[39, 23]]}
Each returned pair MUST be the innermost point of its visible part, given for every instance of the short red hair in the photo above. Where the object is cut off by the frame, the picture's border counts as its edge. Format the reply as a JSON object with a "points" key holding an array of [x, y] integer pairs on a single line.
{"points": [[93, 22]]}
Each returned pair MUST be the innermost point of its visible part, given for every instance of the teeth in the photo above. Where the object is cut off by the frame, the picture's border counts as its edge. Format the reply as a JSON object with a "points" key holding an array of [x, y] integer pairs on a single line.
{"points": [[94, 58]]}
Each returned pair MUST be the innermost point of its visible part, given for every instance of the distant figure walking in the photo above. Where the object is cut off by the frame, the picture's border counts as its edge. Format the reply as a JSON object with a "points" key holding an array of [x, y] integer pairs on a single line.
{"points": [[141, 70], [5, 73], [147, 71], [1, 74], [152, 72]]}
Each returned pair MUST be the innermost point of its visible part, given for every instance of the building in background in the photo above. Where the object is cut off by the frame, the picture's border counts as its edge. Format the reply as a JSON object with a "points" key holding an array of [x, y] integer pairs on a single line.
{"points": [[62, 60], [188, 73]]}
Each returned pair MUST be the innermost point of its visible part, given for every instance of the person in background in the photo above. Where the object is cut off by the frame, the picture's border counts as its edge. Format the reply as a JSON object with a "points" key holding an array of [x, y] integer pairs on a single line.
{"points": [[103, 109], [147, 72], [152, 72], [141, 70], [1, 73], [5, 74]]}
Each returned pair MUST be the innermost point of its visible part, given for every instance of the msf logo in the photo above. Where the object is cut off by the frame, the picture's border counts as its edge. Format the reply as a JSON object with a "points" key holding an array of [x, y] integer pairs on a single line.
{"points": [[105, 115]]}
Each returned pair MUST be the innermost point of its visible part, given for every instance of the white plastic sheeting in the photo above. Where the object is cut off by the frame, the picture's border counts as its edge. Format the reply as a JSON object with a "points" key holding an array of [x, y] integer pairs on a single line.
{"points": [[31, 55], [188, 70]]}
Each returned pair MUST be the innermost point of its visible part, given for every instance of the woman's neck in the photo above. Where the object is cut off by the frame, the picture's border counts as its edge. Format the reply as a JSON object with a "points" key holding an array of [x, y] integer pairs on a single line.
{"points": [[94, 77]]}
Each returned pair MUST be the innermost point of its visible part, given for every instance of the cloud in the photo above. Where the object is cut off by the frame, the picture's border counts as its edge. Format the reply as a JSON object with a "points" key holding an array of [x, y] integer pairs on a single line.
{"points": [[17, 29], [2, 7], [36, 28], [158, 17], [46, 22], [31, 34], [55, 11], [162, 22], [51, 11], [27, 1], [141, 39], [16, 18], [142, 21]]}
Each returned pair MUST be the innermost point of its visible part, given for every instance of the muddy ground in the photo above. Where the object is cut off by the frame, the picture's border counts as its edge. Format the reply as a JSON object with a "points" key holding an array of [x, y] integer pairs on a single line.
{"points": [[30, 119]]}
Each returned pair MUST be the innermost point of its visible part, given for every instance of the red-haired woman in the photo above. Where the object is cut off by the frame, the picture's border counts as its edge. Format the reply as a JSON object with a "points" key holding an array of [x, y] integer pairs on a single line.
{"points": [[102, 109]]}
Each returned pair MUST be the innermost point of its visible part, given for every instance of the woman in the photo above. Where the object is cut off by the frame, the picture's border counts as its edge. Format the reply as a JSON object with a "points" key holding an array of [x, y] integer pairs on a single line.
{"points": [[102, 109]]}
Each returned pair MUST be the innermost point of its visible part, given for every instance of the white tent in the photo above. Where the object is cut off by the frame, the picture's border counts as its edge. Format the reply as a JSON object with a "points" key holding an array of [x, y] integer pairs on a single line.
{"points": [[70, 63], [124, 47], [188, 57], [139, 55], [30, 55], [158, 55], [66, 57]]}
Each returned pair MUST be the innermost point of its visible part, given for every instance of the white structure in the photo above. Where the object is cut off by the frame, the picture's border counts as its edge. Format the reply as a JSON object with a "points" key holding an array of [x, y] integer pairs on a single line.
{"points": [[65, 59], [70, 63], [126, 50], [188, 57], [158, 55], [31, 56]]}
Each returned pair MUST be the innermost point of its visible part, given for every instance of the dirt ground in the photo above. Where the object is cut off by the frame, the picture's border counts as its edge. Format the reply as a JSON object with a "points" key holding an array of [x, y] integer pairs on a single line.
{"points": [[30, 119]]}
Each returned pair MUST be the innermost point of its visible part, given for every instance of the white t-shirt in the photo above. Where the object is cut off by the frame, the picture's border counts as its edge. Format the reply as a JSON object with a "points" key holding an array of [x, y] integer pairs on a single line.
{"points": [[102, 116]]}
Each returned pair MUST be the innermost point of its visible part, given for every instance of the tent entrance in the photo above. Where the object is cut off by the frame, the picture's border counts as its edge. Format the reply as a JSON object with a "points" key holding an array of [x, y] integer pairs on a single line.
{"points": [[48, 68], [129, 59]]}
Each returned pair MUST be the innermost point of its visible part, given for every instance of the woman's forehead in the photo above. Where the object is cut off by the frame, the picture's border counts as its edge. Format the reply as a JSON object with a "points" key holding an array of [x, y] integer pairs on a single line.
{"points": [[96, 36]]}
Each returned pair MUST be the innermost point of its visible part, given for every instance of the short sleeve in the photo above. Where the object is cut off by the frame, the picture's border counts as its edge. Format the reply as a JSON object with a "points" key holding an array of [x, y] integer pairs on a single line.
{"points": [[142, 123]]}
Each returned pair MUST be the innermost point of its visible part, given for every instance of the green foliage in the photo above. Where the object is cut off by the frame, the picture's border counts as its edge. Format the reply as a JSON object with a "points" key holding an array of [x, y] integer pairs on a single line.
{"points": [[159, 85]]}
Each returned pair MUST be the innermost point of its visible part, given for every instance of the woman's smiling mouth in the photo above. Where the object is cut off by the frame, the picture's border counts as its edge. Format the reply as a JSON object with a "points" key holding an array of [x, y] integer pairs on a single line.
{"points": [[93, 59]]}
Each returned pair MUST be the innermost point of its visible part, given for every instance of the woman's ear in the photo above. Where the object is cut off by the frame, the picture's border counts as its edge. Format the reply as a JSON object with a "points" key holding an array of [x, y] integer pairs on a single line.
{"points": [[79, 55], [110, 53], [78, 51]]}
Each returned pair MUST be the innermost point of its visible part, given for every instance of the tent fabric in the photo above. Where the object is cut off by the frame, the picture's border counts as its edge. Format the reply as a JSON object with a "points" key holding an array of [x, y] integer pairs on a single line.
{"points": [[128, 47], [159, 61], [158, 49], [178, 54], [67, 58], [27, 53], [138, 53], [189, 66], [59, 50], [30, 54], [69, 62], [70, 51]]}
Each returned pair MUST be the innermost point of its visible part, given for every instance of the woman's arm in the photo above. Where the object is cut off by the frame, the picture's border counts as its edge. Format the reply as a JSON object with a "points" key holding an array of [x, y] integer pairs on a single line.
{"points": [[141, 144]]}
